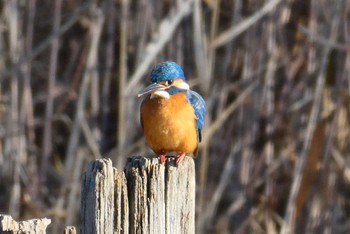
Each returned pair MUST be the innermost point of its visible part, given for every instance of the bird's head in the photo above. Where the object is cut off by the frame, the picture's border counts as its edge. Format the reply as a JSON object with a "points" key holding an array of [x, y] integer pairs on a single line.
{"points": [[167, 78]]}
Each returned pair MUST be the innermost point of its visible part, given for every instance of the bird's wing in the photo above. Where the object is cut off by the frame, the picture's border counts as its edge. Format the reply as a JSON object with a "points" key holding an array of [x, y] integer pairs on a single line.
{"points": [[198, 105]]}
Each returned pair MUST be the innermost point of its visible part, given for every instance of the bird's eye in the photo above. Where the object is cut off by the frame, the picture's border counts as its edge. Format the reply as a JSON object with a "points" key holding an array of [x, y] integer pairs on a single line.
{"points": [[169, 82]]}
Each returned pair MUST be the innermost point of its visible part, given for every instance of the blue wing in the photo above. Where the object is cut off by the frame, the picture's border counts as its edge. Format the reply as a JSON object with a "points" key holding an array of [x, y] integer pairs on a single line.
{"points": [[198, 105]]}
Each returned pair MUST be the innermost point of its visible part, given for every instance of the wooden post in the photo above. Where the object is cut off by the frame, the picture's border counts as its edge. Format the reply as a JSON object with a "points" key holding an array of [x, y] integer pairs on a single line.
{"points": [[180, 189], [9, 225], [70, 230], [161, 197], [97, 194], [121, 204], [149, 197]]}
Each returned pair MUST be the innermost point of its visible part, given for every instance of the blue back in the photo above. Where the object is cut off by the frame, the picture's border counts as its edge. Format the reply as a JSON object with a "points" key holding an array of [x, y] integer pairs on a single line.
{"points": [[198, 105]]}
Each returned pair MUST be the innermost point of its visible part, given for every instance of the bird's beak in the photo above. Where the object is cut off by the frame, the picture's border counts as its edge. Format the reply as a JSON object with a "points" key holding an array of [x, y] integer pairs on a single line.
{"points": [[156, 90]]}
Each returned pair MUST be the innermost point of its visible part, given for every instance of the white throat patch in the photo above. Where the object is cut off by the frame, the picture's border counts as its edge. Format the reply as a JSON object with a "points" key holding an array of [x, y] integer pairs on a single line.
{"points": [[160, 94]]}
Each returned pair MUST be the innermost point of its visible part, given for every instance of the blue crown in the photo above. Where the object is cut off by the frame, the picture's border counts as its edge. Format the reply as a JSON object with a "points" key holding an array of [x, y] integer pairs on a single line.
{"points": [[166, 71]]}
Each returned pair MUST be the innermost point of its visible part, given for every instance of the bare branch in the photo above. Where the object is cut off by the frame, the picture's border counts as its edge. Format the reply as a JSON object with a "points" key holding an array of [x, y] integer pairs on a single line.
{"points": [[236, 30]]}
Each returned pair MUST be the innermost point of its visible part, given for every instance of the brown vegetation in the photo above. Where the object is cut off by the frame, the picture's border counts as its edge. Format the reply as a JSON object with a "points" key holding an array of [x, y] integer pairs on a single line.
{"points": [[274, 74]]}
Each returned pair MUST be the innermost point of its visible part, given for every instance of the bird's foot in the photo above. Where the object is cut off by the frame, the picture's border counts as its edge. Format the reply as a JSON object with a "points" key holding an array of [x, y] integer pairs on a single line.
{"points": [[162, 157], [180, 157]]}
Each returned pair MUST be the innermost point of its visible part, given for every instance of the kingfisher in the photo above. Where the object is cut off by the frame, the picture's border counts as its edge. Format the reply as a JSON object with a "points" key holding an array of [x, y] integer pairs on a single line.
{"points": [[171, 114]]}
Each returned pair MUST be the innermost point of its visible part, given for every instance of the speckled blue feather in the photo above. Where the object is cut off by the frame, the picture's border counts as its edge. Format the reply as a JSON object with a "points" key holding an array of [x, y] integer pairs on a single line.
{"points": [[170, 71], [198, 105], [166, 71]]}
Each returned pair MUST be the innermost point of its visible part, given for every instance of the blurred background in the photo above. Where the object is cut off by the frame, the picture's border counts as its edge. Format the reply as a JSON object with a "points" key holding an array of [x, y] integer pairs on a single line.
{"points": [[275, 155]]}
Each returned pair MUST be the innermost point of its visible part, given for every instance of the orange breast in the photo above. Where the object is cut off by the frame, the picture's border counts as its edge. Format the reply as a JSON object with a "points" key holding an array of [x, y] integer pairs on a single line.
{"points": [[169, 124]]}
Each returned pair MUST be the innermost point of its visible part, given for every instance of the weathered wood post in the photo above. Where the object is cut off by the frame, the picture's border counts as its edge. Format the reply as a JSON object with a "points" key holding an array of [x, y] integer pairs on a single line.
{"points": [[121, 204], [149, 197], [9, 225], [97, 198], [70, 230], [161, 197]]}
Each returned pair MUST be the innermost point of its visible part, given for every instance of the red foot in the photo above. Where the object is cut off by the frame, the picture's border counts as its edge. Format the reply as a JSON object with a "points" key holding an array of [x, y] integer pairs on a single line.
{"points": [[180, 157], [162, 157]]}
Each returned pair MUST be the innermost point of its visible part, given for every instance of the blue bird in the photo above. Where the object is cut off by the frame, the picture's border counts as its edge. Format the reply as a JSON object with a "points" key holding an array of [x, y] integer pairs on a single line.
{"points": [[172, 115]]}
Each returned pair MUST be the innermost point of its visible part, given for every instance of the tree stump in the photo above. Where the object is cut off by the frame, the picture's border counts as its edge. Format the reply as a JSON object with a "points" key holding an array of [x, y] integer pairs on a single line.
{"points": [[9, 225], [161, 197], [70, 230], [149, 197], [97, 198]]}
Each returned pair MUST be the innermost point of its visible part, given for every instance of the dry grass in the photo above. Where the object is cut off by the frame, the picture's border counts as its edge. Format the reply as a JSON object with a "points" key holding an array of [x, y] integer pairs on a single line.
{"points": [[275, 76]]}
